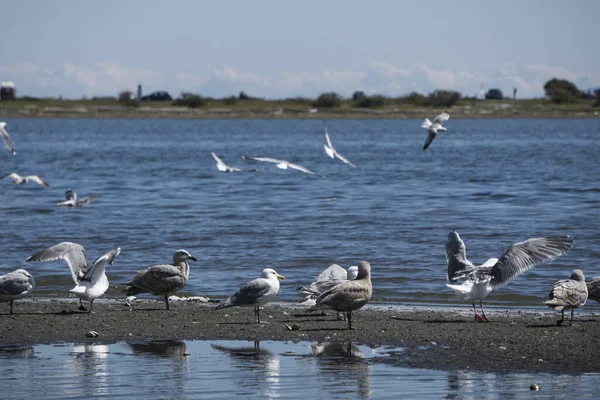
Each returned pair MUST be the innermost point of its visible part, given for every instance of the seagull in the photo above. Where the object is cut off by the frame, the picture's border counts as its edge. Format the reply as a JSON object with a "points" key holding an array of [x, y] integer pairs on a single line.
{"points": [[255, 293], [282, 164], [433, 128], [593, 288], [567, 294], [331, 151], [349, 296], [480, 280], [20, 180], [16, 285], [221, 166], [164, 279], [71, 199], [6, 138], [90, 279]]}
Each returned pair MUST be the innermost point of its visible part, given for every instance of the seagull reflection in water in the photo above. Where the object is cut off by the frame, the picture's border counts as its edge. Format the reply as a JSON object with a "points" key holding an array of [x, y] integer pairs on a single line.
{"points": [[90, 361]]}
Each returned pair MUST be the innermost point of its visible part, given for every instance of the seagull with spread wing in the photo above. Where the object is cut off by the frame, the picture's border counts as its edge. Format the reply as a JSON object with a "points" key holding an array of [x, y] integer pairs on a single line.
{"points": [[20, 180], [281, 164], [90, 278], [479, 280], [71, 199], [434, 127], [6, 138], [331, 151], [221, 166]]}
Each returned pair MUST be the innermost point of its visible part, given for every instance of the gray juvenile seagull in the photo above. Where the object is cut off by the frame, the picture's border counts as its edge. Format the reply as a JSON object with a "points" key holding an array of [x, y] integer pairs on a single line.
{"points": [[282, 164], [568, 294], [71, 199], [90, 279], [331, 151], [164, 279], [593, 288], [6, 138], [255, 293], [480, 280], [221, 166], [20, 180], [349, 296], [434, 128], [16, 285]]}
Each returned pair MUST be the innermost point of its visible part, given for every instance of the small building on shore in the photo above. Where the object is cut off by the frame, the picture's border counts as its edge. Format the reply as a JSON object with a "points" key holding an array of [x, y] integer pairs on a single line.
{"points": [[8, 91]]}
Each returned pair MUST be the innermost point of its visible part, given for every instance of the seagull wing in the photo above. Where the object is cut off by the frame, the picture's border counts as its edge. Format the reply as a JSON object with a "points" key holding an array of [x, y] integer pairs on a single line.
{"points": [[456, 257], [98, 265], [430, 137], [73, 253], [14, 176], [344, 159], [221, 166], [443, 117], [523, 256], [265, 159], [6, 138], [86, 200], [300, 168], [37, 179]]}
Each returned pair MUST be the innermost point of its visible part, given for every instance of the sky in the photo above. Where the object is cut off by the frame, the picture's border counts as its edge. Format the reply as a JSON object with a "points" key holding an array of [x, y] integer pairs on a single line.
{"points": [[281, 49]]}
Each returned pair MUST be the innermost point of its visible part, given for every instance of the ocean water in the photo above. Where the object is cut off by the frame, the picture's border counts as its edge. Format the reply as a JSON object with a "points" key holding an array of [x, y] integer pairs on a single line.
{"points": [[496, 182], [237, 369]]}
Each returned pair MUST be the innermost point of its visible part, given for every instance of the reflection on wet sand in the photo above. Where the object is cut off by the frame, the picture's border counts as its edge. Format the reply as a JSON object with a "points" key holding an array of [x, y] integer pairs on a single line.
{"points": [[344, 365], [254, 359], [90, 363], [16, 351], [175, 349]]}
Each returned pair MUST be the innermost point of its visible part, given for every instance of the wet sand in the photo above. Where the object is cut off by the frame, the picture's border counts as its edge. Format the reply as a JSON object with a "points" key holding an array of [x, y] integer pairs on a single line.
{"points": [[433, 338]]}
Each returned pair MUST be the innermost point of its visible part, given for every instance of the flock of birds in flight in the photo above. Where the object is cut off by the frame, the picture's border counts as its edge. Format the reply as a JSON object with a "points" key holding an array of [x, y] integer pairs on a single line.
{"points": [[335, 288]]}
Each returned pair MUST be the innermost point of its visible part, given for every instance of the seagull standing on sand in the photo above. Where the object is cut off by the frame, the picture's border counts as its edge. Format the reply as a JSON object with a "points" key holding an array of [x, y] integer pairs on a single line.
{"points": [[16, 285], [593, 288], [568, 294], [90, 279], [6, 138], [255, 293], [163, 280], [282, 164], [331, 151], [480, 280], [221, 166], [349, 296], [20, 180], [71, 199], [433, 128]]}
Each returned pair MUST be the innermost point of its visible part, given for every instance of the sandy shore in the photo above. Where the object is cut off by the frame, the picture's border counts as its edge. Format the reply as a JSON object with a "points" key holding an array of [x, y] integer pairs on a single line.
{"points": [[433, 338]]}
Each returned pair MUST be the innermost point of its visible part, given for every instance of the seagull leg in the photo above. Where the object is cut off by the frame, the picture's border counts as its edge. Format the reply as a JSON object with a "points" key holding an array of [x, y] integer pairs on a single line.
{"points": [[81, 307], [572, 309], [167, 301], [477, 317], [91, 305], [559, 323], [257, 313], [483, 317], [350, 320], [11, 307]]}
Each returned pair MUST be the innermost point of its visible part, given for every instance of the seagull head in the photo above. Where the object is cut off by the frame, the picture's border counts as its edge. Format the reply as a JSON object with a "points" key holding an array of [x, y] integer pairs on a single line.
{"points": [[577, 275], [183, 255], [270, 273]]}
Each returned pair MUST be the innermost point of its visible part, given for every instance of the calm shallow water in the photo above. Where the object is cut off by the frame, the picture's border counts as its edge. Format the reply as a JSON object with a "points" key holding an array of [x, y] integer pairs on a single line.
{"points": [[238, 369], [495, 181]]}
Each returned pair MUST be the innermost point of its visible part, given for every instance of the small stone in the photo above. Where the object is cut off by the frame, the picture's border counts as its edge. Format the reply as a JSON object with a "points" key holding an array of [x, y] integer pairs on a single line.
{"points": [[502, 348], [295, 327], [535, 386], [92, 334]]}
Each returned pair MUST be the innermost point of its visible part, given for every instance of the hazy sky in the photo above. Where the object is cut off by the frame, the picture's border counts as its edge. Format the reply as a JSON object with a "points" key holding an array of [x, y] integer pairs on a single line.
{"points": [[279, 49]]}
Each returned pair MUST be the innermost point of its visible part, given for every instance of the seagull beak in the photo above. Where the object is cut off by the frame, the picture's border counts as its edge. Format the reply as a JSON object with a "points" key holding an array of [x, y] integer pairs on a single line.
{"points": [[193, 258], [280, 277]]}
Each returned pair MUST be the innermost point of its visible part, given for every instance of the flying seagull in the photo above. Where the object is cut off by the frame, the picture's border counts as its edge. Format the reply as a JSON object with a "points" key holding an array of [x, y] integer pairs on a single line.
{"points": [[349, 296], [479, 280], [90, 279], [568, 294], [6, 138], [331, 151], [71, 199], [255, 293], [20, 180], [16, 285], [282, 164], [433, 128], [221, 166], [163, 280]]}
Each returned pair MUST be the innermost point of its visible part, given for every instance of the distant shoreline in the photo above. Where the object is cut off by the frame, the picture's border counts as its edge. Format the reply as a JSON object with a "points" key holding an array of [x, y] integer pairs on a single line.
{"points": [[432, 338], [477, 110]]}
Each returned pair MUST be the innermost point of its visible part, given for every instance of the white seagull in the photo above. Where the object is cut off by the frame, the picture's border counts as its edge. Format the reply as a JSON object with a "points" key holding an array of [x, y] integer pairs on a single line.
{"points": [[568, 294], [20, 180], [6, 138], [433, 128], [71, 199], [255, 293], [90, 279], [16, 285], [221, 166], [331, 151], [282, 164], [480, 280]]}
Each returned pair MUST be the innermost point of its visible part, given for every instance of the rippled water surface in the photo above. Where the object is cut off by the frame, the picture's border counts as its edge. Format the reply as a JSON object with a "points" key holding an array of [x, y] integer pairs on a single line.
{"points": [[237, 369], [495, 181]]}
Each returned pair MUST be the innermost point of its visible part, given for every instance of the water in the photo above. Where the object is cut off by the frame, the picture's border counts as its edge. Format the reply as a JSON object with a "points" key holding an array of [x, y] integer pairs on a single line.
{"points": [[237, 369], [496, 182]]}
